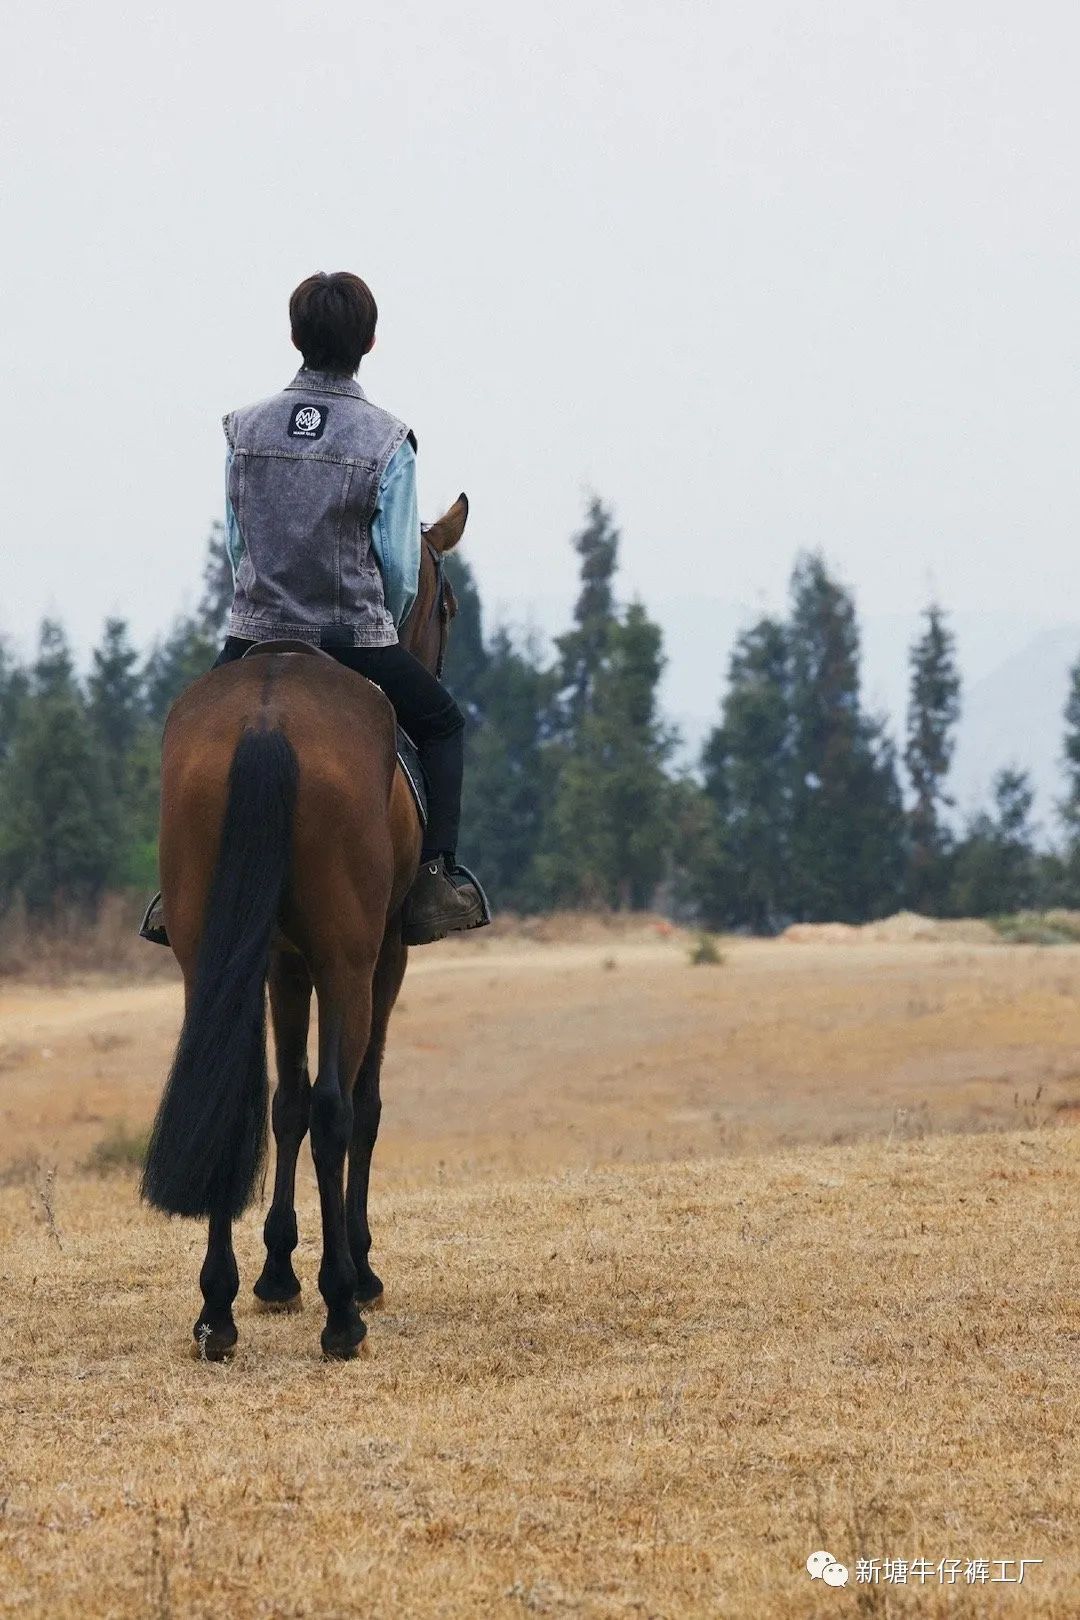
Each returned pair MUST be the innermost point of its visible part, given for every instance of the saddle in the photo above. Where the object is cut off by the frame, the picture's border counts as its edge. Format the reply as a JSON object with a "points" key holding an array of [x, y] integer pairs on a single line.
{"points": [[407, 757]]}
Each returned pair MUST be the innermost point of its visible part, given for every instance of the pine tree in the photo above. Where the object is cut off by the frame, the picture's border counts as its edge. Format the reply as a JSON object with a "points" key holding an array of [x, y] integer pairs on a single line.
{"points": [[933, 712], [115, 697], [583, 649], [53, 671], [504, 693], [215, 600], [847, 839], [194, 640], [467, 658], [184, 655], [1064, 865], [13, 687], [704, 881], [609, 828], [1069, 808], [507, 773], [747, 774], [135, 857], [57, 809], [996, 868]]}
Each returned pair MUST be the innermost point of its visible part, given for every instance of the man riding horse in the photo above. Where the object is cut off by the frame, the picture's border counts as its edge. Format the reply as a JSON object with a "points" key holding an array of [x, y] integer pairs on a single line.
{"points": [[324, 539], [290, 843]]}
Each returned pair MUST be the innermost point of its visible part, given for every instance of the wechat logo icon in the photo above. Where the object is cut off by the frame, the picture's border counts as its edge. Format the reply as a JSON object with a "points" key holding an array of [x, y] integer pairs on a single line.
{"points": [[822, 1566]]}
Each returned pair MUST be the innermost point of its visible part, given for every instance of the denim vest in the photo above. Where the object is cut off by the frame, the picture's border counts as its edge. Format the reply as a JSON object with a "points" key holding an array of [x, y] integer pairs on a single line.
{"points": [[304, 475]]}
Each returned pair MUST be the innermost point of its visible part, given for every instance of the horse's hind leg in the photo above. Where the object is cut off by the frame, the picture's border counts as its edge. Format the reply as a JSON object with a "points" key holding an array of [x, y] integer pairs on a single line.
{"points": [[219, 1279], [345, 999], [367, 1108], [278, 1288]]}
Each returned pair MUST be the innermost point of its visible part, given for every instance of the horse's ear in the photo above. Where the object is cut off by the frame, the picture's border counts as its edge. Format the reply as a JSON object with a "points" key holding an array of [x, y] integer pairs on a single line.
{"points": [[445, 533]]}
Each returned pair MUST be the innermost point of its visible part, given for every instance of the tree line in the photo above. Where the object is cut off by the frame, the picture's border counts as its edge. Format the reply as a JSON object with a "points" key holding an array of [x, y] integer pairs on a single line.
{"points": [[802, 807]]}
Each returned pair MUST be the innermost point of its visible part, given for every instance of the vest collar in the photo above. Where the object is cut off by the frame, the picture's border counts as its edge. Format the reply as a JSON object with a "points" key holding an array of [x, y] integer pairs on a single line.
{"points": [[324, 382]]}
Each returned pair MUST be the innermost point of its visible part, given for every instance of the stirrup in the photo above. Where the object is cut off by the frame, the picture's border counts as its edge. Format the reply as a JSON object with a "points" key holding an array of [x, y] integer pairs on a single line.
{"points": [[456, 871], [153, 931], [427, 924]]}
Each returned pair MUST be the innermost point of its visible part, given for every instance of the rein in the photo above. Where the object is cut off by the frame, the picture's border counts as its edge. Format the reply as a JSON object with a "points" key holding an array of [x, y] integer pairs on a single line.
{"points": [[441, 607]]}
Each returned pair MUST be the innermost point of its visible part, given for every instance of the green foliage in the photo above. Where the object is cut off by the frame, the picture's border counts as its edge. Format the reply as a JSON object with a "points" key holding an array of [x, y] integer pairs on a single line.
{"points": [[467, 657], [569, 794], [933, 713], [566, 793], [13, 688], [136, 862], [607, 835], [703, 877], [507, 773], [58, 817], [120, 1149], [186, 652], [847, 822], [1068, 873], [747, 767], [1039, 928], [215, 600], [806, 814], [1070, 807], [114, 697], [583, 649], [79, 769], [995, 869], [194, 641], [705, 952]]}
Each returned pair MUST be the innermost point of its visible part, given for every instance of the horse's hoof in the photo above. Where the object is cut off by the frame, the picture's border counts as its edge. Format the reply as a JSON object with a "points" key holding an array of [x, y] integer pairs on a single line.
{"points": [[345, 1346], [280, 1307], [355, 1352], [278, 1290], [369, 1289], [207, 1345]]}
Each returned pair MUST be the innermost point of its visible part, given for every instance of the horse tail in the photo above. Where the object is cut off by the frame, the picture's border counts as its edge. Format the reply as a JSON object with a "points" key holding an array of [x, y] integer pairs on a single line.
{"points": [[208, 1144]]}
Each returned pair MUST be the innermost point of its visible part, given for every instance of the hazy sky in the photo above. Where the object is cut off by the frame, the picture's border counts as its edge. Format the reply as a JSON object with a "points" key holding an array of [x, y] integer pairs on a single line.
{"points": [[765, 276]]}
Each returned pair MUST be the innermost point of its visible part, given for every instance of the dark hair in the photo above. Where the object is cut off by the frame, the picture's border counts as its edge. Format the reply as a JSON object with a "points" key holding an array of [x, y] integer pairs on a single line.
{"points": [[333, 321]]}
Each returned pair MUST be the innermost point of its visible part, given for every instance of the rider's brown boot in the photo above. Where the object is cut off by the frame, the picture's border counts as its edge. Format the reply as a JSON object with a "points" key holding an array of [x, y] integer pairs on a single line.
{"points": [[439, 904]]}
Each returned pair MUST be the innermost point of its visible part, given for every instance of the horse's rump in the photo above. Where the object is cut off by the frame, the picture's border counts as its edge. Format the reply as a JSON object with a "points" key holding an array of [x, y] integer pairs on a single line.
{"points": [[355, 839]]}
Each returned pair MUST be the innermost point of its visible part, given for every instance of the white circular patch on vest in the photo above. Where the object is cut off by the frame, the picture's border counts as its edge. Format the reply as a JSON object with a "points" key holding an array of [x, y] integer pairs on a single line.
{"points": [[308, 419]]}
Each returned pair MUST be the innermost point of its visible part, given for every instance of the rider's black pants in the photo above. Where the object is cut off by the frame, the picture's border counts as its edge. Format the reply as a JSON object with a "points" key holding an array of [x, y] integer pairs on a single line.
{"points": [[427, 712]]}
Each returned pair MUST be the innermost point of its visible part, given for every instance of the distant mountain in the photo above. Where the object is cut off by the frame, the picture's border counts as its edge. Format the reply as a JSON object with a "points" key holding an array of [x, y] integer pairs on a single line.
{"points": [[1014, 716]]}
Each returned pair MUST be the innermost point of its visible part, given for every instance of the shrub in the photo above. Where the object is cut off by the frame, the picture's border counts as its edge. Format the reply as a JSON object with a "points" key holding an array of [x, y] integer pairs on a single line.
{"points": [[120, 1149], [1039, 927]]}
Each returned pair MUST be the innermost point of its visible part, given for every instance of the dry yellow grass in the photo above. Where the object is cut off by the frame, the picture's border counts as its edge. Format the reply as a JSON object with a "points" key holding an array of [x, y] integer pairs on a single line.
{"points": [[611, 1379]]}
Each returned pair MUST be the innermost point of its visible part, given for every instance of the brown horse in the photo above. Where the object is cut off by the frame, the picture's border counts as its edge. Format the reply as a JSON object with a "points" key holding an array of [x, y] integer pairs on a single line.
{"points": [[289, 840]]}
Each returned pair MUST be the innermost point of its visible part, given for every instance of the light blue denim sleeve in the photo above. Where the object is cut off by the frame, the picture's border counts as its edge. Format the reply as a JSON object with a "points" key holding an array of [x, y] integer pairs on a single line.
{"points": [[395, 532], [234, 540]]}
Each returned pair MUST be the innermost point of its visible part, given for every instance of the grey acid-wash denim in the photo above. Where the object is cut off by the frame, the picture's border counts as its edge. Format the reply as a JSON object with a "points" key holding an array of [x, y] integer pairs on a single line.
{"points": [[304, 474]]}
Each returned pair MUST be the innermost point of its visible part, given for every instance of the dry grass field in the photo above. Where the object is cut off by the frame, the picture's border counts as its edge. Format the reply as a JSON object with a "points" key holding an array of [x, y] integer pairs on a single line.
{"points": [[690, 1271]]}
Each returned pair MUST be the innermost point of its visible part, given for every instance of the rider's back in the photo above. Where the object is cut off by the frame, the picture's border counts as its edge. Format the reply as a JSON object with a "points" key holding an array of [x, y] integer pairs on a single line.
{"points": [[305, 468]]}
